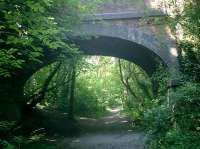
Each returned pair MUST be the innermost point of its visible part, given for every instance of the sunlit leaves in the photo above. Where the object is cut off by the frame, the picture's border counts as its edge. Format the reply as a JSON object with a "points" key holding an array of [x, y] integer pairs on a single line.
{"points": [[36, 7], [31, 27], [8, 61]]}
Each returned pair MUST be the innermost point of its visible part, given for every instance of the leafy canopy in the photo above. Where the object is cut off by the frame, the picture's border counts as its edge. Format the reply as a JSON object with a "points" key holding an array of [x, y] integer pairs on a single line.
{"points": [[28, 28]]}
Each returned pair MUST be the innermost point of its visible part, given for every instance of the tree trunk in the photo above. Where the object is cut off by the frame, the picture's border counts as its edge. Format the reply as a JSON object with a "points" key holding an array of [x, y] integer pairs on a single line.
{"points": [[72, 93], [26, 110], [41, 94], [12, 87], [125, 81]]}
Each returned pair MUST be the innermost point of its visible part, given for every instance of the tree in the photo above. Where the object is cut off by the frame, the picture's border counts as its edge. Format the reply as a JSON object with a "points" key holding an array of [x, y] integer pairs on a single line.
{"points": [[31, 37], [40, 95], [72, 91]]}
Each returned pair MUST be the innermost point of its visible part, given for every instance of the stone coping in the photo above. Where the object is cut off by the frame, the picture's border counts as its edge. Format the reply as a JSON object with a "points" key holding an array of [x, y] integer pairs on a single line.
{"points": [[122, 15]]}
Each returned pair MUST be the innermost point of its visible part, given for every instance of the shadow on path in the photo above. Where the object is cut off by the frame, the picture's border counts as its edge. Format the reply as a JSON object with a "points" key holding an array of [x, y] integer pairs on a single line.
{"points": [[113, 131]]}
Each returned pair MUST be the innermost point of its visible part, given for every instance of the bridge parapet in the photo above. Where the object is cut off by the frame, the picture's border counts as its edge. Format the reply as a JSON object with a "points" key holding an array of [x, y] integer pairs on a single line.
{"points": [[126, 15], [110, 6]]}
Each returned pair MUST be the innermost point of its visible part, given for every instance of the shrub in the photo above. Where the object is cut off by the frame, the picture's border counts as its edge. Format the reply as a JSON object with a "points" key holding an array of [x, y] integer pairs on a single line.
{"points": [[176, 125]]}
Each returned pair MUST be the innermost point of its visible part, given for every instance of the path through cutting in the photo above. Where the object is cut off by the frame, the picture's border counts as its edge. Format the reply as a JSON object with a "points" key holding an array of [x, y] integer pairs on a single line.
{"points": [[112, 131]]}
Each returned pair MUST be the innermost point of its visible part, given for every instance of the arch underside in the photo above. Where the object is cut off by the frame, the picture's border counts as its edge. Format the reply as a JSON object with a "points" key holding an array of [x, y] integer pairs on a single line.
{"points": [[129, 43], [120, 48]]}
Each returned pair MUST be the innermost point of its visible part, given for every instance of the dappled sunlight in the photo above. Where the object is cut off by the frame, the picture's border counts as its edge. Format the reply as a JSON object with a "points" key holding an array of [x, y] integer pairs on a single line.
{"points": [[76, 141], [124, 121], [154, 4], [51, 140], [169, 33], [114, 110], [174, 52], [166, 6], [110, 122], [86, 118]]}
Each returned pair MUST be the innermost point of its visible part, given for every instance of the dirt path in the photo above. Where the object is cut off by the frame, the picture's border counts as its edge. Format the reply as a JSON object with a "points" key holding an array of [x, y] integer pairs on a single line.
{"points": [[112, 131]]}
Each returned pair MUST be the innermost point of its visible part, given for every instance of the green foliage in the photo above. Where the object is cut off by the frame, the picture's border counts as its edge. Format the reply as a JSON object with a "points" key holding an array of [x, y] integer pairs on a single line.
{"points": [[101, 86], [98, 87], [158, 119], [176, 124], [186, 23], [189, 61], [16, 142], [7, 145], [186, 106], [176, 139], [11, 141], [87, 102], [174, 118], [28, 28], [161, 79], [5, 126], [138, 91]]}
